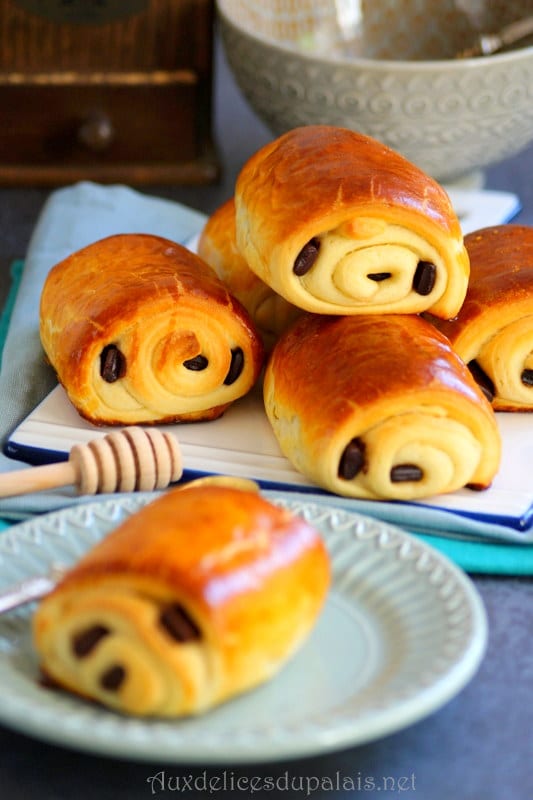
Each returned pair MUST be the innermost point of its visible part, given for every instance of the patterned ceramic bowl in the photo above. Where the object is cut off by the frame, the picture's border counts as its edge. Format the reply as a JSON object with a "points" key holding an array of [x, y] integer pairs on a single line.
{"points": [[388, 68]]}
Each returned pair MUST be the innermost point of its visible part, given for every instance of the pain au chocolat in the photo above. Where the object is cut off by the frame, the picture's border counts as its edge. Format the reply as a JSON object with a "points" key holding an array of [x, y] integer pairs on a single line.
{"points": [[203, 594], [217, 245], [493, 331], [379, 407], [140, 330], [337, 223]]}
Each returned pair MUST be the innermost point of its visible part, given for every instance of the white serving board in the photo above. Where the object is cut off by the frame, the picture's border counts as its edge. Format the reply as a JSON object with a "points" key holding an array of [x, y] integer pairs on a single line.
{"points": [[479, 209], [242, 443]]}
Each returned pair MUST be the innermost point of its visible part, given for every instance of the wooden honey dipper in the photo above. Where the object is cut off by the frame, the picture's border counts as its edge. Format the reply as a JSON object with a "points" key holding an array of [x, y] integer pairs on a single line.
{"points": [[127, 460]]}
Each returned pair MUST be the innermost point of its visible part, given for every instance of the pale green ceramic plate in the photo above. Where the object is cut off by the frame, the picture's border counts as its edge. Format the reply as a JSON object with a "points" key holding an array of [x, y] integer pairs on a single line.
{"points": [[402, 632]]}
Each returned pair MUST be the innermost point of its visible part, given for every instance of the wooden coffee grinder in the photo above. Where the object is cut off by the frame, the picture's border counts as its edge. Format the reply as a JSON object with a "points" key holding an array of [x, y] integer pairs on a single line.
{"points": [[106, 90]]}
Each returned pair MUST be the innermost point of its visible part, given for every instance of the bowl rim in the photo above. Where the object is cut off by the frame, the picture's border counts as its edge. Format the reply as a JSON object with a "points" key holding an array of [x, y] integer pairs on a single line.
{"points": [[385, 65]]}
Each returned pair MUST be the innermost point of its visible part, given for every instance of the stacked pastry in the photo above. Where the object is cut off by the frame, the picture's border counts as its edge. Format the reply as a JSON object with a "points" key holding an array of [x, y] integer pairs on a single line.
{"points": [[338, 223], [217, 245], [365, 397], [140, 330], [379, 408], [330, 221], [493, 331]]}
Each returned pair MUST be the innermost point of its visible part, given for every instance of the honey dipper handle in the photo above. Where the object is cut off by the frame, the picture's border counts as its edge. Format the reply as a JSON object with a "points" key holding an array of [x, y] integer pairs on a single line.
{"points": [[130, 460], [36, 479]]}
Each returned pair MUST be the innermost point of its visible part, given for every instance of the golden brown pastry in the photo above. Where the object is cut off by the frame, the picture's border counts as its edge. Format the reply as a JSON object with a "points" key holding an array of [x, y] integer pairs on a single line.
{"points": [[379, 407], [140, 330], [493, 332], [337, 223], [217, 246], [201, 595]]}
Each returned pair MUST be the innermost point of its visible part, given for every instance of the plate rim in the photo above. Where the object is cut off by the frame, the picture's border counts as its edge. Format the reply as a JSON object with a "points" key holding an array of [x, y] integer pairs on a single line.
{"points": [[344, 734]]}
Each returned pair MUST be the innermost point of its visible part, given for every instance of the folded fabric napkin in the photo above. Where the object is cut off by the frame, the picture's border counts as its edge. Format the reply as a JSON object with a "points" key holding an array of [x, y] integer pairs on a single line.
{"points": [[80, 214], [71, 218]]}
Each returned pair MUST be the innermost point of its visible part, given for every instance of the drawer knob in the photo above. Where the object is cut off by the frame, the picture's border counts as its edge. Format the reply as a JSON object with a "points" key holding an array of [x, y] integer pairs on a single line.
{"points": [[96, 133]]}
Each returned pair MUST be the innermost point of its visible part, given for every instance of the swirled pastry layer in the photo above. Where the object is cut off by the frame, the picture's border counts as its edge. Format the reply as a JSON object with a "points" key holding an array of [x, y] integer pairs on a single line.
{"points": [[337, 223], [201, 595], [217, 245], [140, 330], [493, 331], [379, 408]]}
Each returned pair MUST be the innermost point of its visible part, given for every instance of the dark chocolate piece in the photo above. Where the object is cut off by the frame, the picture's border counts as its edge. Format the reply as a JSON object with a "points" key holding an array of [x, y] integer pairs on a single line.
{"points": [[83, 643], [482, 380], [352, 459], [112, 363], [424, 278], [112, 678], [378, 276], [197, 364], [236, 366], [178, 624], [527, 377], [306, 257], [403, 473]]}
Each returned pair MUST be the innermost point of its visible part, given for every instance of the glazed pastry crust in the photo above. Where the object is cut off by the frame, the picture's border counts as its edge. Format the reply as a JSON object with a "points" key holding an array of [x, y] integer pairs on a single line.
{"points": [[218, 247], [161, 306], [373, 212], [393, 384], [495, 324], [253, 578]]}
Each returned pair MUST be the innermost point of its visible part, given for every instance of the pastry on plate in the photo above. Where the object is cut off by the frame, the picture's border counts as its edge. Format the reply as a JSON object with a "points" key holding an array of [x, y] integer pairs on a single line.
{"points": [[379, 407], [140, 330], [217, 246], [338, 223], [493, 332], [201, 595]]}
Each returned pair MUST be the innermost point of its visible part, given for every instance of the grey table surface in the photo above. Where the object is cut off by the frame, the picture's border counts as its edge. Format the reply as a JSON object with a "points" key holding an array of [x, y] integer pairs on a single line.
{"points": [[479, 745]]}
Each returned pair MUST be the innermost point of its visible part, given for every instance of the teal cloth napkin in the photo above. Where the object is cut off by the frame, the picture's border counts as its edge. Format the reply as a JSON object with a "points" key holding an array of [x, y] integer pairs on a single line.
{"points": [[15, 276], [78, 215]]}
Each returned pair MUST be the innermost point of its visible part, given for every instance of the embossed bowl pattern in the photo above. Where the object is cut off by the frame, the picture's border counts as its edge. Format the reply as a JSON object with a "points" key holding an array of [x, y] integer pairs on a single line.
{"points": [[450, 116]]}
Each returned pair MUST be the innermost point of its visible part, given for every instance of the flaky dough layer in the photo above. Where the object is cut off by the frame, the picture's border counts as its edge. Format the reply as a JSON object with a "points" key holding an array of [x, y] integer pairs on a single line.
{"points": [[140, 330], [217, 245], [337, 223], [379, 408], [203, 594], [493, 332]]}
